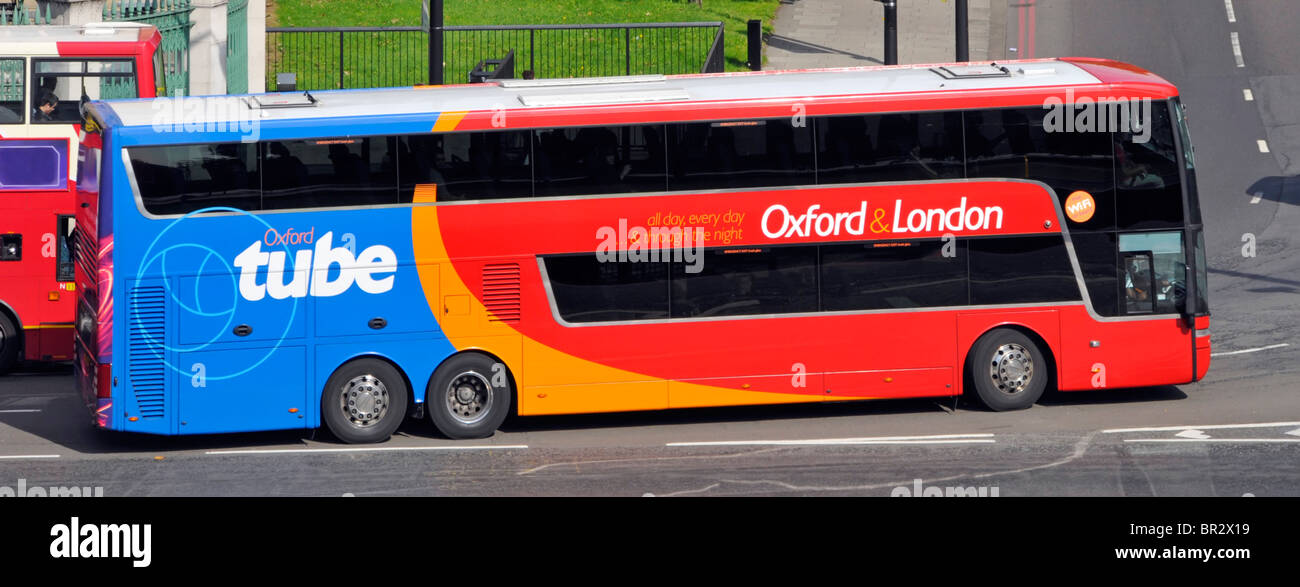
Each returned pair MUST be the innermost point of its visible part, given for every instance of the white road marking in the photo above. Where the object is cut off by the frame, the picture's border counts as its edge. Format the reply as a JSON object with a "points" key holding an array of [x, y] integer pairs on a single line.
{"points": [[1257, 197], [1262, 144], [377, 449], [29, 456], [1295, 432], [18, 411], [1236, 50], [1268, 440], [1232, 14], [936, 439], [1209, 427], [1248, 95], [1193, 434], [1255, 350]]}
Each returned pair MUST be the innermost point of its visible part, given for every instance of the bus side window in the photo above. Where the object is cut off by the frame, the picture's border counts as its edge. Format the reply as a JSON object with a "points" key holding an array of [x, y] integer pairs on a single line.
{"points": [[183, 178], [599, 160], [1023, 269], [328, 173], [1147, 173], [1024, 143], [465, 166], [738, 154], [889, 147], [12, 86]]}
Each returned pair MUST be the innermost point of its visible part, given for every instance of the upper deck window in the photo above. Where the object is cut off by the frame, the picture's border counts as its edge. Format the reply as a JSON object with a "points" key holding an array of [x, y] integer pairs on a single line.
{"points": [[62, 84]]}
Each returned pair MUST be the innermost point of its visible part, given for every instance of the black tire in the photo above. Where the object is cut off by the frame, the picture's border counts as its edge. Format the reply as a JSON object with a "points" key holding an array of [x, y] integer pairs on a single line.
{"points": [[1008, 370], [364, 401], [469, 396], [10, 341]]}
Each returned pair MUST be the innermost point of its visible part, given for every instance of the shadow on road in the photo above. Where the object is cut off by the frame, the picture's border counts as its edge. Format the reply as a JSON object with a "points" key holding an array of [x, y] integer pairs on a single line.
{"points": [[1280, 189], [1113, 396]]}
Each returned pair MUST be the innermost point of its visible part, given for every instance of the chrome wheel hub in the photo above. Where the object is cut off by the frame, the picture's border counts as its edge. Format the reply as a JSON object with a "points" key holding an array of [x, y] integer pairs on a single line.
{"points": [[364, 400], [1012, 368], [469, 397]]}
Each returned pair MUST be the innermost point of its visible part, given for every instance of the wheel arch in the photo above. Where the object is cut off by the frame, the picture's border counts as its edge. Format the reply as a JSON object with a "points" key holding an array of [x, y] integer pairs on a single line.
{"points": [[9, 312], [510, 373], [1049, 349], [410, 389]]}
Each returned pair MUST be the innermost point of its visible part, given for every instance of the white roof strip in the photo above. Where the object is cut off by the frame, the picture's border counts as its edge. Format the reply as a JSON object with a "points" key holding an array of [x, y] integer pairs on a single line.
{"points": [[580, 81], [628, 97]]}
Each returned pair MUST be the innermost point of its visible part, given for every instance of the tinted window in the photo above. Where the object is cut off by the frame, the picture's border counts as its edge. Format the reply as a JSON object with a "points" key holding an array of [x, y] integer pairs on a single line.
{"points": [[1147, 174], [1016, 143], [183, 178], [889, 147], [735, 282], [322, 173], [466, 166], [1098, 258], [1189, 162], [12, 86], [599, 160], [737, 154], [871, 276], [587, 290], [1020, 270]]}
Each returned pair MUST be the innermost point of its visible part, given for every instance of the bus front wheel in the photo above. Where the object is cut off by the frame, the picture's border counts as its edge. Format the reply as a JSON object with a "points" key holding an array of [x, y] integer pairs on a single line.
{"points": [[9, 336], [364, 401], [469, 396], [1008, 370]]}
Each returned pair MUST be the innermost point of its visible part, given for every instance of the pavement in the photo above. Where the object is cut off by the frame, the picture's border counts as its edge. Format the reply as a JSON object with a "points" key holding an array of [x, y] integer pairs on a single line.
{"points": [[848, 33]]}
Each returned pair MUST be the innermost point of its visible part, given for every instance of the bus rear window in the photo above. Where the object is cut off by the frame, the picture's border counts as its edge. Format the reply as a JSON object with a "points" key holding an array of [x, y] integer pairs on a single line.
{"points": [[34, 164]]}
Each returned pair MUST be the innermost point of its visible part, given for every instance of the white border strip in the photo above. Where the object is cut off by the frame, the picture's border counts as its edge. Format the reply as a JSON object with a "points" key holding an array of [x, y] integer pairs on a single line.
{"points": [[55, 456], [936, 439], [1210, 427], [18, 411], [347, 450], [1254, 350]]}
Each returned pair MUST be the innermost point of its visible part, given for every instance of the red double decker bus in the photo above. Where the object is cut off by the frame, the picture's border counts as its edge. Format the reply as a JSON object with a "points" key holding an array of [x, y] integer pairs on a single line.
{"points": [[47, 73]]}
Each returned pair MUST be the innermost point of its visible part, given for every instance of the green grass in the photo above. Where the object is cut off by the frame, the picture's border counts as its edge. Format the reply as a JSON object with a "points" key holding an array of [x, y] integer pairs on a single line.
{"points": [[556, 55]]}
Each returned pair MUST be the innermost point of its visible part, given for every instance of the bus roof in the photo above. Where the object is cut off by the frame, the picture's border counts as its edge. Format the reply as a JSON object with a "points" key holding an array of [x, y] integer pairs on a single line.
{"points": [[63, 40], [629, 95]]}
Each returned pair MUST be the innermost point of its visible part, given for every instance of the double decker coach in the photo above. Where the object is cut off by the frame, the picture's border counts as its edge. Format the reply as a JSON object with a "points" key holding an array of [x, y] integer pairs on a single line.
{"points": [[568, 246]]}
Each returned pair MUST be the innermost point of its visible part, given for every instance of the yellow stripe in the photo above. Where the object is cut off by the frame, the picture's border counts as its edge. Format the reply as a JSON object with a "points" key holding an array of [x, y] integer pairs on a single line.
{"points": [[447, 121], [40, 326]]}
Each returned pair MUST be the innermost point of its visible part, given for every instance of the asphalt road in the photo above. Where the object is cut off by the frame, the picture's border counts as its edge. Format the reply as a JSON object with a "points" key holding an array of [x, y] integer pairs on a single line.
{"points": [[1236, 433]]}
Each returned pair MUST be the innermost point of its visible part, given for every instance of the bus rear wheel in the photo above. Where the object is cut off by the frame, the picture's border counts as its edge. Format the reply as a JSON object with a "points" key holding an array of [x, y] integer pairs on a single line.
{"points": [[469, 396], [9, 337], [364, 401], [1008, 370]]}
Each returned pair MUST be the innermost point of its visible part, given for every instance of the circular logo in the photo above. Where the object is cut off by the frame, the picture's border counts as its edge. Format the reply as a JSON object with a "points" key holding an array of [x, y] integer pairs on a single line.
{"points": [[1080, 206]]}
